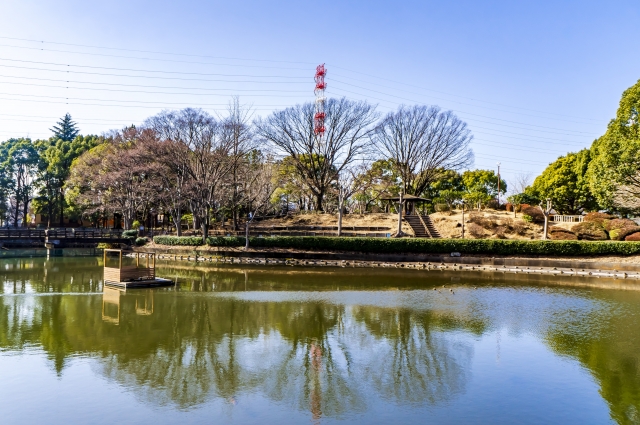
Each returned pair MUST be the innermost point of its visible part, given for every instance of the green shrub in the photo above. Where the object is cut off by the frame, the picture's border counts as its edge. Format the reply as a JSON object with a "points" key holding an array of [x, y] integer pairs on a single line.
{"points": [[141, 241], [130, 234], [527, 218], [227, 241], [436, 246], [108, 245], [178, 240]]}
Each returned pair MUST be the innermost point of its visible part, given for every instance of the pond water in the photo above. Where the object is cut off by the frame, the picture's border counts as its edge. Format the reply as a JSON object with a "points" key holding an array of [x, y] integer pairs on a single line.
{"points": [[251, 345]]}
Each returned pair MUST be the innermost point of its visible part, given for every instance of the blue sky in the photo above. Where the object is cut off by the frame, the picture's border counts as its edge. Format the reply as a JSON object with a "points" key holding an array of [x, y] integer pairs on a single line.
{"points": [[532, 79]]}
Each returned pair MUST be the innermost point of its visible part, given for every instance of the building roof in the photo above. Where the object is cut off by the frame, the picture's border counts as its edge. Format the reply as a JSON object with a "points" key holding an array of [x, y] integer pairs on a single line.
{"points": [[406, 198]]}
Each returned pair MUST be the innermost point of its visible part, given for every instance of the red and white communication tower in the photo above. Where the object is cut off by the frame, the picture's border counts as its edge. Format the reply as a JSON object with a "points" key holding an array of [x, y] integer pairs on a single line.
{"points": [[319, 116]]}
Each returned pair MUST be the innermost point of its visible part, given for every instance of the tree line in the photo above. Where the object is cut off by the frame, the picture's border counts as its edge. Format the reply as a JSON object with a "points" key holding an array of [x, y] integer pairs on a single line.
{"points": [[198, 169], [605, 176]]}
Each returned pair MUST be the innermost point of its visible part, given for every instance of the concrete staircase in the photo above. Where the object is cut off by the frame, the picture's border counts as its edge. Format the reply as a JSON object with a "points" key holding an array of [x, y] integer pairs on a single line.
{"points": [[422, 226]]}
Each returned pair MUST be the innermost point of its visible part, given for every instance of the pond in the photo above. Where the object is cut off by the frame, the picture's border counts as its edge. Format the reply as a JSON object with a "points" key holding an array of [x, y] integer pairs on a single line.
{"points": [[267, 345]]}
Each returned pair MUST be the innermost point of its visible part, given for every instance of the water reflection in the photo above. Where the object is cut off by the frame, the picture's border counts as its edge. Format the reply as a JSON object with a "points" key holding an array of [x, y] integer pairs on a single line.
{"points": [[326, 342]]}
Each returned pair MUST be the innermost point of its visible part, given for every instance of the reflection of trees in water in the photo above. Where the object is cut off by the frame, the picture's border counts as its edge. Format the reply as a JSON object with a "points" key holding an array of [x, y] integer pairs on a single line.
{"points": [[310, 355], [410, 361], [41, 275], [315, 373], [605, 340]]}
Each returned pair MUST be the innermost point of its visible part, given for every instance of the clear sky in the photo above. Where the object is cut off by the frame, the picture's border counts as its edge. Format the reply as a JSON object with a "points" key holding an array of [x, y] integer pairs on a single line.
{"points": [[532, 79]]}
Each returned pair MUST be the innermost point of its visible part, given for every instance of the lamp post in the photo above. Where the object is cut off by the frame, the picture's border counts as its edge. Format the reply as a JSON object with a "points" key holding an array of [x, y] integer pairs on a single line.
{"points": [[463, 219], [498, 185]]}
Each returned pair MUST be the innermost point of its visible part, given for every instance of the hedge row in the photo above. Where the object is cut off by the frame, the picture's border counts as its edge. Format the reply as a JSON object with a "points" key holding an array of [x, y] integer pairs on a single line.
{"points": [[426, 246], [178, 240]]}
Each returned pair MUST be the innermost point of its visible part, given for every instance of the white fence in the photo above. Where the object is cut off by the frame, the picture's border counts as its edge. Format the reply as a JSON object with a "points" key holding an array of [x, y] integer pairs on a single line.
{"points": [[567, 218]]}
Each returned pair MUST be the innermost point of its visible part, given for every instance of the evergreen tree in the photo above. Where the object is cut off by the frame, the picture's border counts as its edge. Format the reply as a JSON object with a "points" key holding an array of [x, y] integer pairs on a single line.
{"points": [[65, 129]]}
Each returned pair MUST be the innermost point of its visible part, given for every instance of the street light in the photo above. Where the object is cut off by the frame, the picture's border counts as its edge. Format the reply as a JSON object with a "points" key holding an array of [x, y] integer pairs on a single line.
{"points": [[463, 219], [498, 183]]}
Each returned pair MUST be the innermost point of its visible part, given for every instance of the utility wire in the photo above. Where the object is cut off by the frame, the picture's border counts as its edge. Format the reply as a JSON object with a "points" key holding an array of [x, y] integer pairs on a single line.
{"points": [[150, 71], [148, 59], [149, 51], [156, 92], [451, 94], [411, 100], [42, 42]]}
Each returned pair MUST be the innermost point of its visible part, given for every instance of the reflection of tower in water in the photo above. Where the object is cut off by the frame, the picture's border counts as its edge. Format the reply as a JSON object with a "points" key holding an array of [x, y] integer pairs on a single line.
{"points": [[315, 393]]}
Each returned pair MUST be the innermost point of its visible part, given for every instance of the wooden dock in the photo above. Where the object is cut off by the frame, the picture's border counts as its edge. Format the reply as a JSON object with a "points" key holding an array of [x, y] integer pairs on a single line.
{"points": [[133, 276]]}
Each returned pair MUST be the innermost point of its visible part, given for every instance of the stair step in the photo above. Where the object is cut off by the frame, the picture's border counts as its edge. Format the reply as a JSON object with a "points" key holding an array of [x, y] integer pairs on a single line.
{"points": [[427, 230]]}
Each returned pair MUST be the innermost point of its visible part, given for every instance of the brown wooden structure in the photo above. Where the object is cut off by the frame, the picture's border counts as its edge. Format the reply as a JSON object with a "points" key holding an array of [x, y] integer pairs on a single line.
{"points": [[133, 276], [408, 202]]}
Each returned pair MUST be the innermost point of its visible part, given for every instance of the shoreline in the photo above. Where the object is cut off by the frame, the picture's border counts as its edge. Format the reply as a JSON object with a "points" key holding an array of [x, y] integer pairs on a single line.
{"points": [[601, 266]]}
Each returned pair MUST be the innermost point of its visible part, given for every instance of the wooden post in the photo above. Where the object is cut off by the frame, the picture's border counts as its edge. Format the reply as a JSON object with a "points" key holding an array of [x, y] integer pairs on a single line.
{"points": [[137, 259], [154, 261], [104, 258], [120, 267], [147, 259], [462, 219], [546, 213]]}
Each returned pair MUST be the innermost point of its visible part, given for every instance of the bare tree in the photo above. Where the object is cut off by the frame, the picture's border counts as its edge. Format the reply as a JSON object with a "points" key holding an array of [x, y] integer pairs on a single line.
{"points": [[350, 181], [421, 141], [118, 176], [320, 160], [204, 156], [238, 134], [258, 187], [520, 183], [175, 180]]}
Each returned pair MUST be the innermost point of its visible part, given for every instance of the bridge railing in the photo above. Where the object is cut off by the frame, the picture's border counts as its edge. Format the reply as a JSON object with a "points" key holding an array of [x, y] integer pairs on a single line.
{"points": [[17, 233], [73, 233], [83, 233]]}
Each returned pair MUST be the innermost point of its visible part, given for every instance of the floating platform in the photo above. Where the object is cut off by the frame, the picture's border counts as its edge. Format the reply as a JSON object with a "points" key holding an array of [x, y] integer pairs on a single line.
{"points": [[147, 283], [133, 276]]}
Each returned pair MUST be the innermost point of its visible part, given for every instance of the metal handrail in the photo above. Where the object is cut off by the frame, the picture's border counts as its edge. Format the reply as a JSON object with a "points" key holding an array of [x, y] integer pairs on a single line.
{"points": [[425, 226]]}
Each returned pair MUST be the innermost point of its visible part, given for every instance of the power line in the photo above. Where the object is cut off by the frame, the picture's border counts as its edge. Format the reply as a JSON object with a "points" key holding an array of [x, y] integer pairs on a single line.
{"points": [[147, 86], [149, 51], [451, 94], [506, 158], [257, 60], [143, 58], [160, 105], [155, 92], [104, 74], [411, 100], [55, 64], [151, 71], [516, 147], [249, 90]]}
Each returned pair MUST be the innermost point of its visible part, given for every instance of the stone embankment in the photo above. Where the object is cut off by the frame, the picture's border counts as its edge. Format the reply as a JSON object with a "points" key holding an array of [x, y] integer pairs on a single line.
{"points": [[533, 266]]}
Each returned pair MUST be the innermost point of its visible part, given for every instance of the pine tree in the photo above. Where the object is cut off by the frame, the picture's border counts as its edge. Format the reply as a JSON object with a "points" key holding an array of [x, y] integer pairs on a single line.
{"points": [[65, 129]]}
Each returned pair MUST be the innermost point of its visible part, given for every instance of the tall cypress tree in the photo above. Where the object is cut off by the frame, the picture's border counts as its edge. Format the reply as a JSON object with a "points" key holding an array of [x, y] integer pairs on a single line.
{"points": [[65, 129]]}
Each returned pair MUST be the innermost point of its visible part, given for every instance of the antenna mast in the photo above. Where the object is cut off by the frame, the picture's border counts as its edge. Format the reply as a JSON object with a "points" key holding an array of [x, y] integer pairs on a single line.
{"points": [[319, 116]]}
